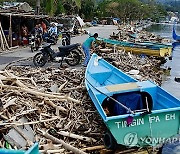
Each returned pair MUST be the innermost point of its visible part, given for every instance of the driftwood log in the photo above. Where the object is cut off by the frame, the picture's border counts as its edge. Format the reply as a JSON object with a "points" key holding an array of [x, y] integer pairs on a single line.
{"points": [[67, 146]]}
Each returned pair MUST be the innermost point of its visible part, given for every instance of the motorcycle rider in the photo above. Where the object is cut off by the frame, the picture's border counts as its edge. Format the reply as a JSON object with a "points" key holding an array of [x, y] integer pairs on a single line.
{"points": [[37, 32], [51, 36], [52, 30]]}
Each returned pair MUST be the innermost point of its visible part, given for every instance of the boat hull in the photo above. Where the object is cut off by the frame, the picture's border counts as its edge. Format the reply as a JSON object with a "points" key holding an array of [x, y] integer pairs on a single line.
{"points": [[162, 52], [174, 35], [148, 130], [153, 124], [146, 48]]}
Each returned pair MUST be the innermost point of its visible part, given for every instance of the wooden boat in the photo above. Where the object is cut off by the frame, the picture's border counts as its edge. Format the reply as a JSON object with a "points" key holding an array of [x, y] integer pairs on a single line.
{"points": [[146, 48], [174, 35], [32, 150], [135, 113]]}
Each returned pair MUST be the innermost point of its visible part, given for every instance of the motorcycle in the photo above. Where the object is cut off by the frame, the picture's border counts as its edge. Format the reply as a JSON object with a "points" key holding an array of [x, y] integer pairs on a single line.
{"points": [[70, 54], [66, 38], [53, 38], [35, 42]]}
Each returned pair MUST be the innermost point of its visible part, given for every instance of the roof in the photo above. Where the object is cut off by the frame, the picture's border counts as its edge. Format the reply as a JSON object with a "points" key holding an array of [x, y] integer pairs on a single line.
{"points": [[23, 15], [17, 6]]}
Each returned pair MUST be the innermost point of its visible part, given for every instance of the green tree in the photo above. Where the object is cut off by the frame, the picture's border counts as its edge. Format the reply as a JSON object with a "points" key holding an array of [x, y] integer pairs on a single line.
{"points": [[87, 9], [71, 6], [129, 10]]}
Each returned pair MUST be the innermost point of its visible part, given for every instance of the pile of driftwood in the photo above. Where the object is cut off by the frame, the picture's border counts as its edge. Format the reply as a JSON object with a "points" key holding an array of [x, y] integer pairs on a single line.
{"points": [[141, 68], [55, 105], [132, 34], [52, 103]]}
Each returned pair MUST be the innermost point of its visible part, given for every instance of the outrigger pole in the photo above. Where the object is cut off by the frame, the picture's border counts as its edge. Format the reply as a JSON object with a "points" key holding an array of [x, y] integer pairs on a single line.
{"points": [[125, 107]]}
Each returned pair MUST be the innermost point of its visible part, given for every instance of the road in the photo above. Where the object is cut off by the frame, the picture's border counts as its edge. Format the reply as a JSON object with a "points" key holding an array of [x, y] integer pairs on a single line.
{"points": [[25, 52]]}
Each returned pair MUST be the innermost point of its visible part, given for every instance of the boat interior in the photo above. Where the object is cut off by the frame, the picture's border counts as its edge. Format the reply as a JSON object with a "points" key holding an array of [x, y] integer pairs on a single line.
{"points": [[138, 101], [138, 96]]}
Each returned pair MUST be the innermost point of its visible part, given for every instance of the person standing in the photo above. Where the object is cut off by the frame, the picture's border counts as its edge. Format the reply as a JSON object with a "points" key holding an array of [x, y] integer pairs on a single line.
{"points": [[44, 27], [86, 47]]}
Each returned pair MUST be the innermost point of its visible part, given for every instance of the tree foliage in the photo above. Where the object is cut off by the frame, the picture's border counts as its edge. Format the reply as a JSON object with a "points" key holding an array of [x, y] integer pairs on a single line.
{"points": [[129, 10], [125, 9], [87, 9]]}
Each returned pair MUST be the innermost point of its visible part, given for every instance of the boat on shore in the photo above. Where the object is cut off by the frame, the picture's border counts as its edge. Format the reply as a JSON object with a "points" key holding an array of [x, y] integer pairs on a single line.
{"points": [[136, 113], [145, 48], [174, 35], [34, 149]]}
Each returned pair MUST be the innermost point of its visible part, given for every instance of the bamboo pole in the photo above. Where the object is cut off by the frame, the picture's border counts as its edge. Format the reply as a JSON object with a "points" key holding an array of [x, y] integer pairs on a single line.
{"points": [[99, 147], [2, 32], [83, 138], [10, 30], [2, 41], [27, 123], [52, 151], [37, 93], [65, 145]]}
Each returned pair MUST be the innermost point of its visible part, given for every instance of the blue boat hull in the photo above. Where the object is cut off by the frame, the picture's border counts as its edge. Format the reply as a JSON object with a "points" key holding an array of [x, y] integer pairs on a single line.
{"points": [[174, 35], [143, 109]]}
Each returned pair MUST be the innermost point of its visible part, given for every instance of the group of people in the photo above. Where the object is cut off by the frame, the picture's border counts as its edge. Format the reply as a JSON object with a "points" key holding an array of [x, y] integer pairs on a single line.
{"points": [[41, 32]]}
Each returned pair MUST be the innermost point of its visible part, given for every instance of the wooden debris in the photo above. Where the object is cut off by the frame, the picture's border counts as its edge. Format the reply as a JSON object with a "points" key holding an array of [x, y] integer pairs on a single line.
{"points": [[69, 111], [3, 42], [68, 134], [67, 146], [94, 148], [25, 93], [132, 33]]}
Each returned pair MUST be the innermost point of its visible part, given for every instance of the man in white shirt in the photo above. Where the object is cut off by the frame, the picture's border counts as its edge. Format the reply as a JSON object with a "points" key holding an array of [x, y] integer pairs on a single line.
{"points": [[53, 30]]}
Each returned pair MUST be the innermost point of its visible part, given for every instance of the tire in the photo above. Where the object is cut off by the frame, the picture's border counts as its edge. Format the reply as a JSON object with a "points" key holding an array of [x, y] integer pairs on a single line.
{"points": [[109, 141], [75, 58], [37, 48], [32, 48], [39, 60], [63, 42]]}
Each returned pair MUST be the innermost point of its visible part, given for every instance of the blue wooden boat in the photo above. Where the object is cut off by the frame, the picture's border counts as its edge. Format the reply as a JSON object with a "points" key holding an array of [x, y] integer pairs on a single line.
{"points": [[174, 35], [32, 150], [135, 113]]}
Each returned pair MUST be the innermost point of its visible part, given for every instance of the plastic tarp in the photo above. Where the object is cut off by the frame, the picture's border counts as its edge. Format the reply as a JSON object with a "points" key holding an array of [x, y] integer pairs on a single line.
{"points": [[130, 100], [81, 22]]}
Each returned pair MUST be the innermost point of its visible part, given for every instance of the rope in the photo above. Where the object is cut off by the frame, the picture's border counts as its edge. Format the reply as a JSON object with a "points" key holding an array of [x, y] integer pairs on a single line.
{"points": [[125, 107]]}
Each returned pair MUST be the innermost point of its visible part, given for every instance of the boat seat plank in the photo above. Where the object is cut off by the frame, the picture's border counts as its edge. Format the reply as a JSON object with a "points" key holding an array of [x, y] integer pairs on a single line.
{"points": [[101, 74], [122, 87]]}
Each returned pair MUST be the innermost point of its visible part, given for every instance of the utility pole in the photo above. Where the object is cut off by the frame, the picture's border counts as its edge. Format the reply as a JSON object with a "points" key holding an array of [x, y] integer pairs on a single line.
{"points": [[38, 7]]}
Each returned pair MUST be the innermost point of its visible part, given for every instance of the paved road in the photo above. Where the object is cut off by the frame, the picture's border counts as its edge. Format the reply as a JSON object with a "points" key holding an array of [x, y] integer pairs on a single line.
{"points": [[25, 52]]}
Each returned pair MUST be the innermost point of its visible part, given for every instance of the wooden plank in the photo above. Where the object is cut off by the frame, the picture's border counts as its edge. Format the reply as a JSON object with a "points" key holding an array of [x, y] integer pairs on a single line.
{"points": [[2, 42], [122, 87], [2, 32], [10, 30]]}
